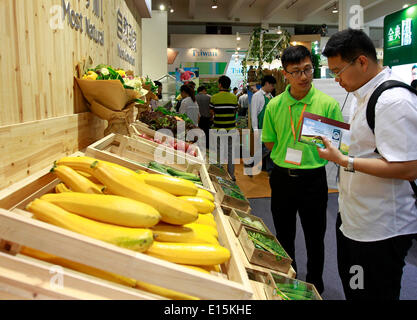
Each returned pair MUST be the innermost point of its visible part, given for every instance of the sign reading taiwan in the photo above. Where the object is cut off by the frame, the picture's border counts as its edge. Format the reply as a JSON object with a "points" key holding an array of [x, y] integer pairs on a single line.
{"points": [[205, 53], [400, 41]]}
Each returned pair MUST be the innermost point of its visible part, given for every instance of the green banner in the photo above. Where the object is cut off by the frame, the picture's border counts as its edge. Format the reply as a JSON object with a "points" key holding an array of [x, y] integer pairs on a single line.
{"points": [[400, 37]]}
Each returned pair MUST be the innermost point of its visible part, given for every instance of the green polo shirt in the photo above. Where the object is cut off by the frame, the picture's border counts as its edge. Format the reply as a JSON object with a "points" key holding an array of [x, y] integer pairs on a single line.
{"points": [[277, 125], [225, 106]]}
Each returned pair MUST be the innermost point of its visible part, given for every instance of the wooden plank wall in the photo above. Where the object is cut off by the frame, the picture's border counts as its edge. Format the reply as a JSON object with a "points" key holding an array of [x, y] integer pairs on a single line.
{"points": [[39, 119]]}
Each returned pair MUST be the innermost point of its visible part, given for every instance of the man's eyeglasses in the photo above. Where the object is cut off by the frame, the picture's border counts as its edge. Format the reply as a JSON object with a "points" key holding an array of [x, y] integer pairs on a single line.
{"points": [[297, 74], [337, 74]]}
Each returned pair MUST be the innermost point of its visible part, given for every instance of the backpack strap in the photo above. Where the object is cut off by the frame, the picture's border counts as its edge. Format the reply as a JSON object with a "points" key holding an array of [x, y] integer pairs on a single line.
{"points": [[370, 110]]}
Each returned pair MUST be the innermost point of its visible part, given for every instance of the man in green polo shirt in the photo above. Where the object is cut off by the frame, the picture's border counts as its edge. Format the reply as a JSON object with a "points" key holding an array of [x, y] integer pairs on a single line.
{"points": [[298, 181]]}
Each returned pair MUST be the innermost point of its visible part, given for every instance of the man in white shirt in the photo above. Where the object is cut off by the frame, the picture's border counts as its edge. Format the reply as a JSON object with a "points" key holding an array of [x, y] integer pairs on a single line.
{"points": [[378, 211], [259, 103]]}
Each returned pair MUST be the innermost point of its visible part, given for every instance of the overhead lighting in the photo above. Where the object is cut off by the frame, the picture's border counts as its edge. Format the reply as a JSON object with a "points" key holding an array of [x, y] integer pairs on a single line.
{"points": [[406, 6], [335, 10], [279, 31], [238, 48], [214, 5], [237, 36], [172, 10], [162, 7], [294, 43], [236, 52]]}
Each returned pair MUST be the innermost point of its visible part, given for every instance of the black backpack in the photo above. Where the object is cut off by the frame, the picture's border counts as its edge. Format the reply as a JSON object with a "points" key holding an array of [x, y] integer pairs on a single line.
{"points": [[370, 110]]}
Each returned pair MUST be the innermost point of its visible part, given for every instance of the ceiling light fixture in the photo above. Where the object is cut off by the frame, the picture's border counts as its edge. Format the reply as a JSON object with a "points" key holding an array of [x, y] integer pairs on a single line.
{"points": [[238, 48], [162, 7], [335, 9], [406, 6], [279, 31], [237, 36], [214, 5]]}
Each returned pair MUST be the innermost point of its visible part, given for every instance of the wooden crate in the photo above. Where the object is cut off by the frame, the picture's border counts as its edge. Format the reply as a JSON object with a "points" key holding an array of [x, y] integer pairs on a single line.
{"points": [[220, 172], [228, 210], [273, 279], [24, 278], [261, 257], [238, 225], [229, 201], [109, 149], [136, 128], [23, 230], [258, 280], [242, 256]]}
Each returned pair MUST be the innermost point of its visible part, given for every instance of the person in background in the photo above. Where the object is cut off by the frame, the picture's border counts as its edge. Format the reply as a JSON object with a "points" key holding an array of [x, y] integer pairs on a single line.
{"points": [[378, 212], [224, 108], [154, 103], [160, 87], [298, 180], [203, 101], [414, 84], [414, 72], [179, 98], [243, 103], [235, 91], [259, 103], [189, 104]]}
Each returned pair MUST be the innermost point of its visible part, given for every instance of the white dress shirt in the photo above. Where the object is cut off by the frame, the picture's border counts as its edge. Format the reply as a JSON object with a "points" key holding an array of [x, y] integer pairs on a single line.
{"points": [[373, 208], [191, 109], [257, 104]]}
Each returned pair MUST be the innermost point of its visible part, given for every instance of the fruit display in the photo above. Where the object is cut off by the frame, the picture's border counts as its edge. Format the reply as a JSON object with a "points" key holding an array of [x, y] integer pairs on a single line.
{"points": [[105, 275], [171, 143], [154, 214]]}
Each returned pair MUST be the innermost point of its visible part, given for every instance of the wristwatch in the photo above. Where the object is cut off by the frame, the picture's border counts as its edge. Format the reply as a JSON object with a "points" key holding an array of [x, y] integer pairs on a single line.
{"points": [[349, 167]]}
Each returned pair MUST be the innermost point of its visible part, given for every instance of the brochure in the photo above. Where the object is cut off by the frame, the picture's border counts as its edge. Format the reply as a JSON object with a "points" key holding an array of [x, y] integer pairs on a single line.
{"points": [[314, 127]]}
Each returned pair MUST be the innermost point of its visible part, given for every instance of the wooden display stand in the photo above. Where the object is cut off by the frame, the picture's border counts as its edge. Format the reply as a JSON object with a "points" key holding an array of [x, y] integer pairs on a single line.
{"points": [[224, 199], [28, 278], [239, 250], [133, 154], [137, 128], [272, 279], [262, 257], [228, 210]]}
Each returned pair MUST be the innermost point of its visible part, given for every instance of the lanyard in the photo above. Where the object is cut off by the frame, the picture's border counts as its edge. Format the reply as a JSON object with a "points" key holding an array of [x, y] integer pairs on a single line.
{"points": [[299, 122]]}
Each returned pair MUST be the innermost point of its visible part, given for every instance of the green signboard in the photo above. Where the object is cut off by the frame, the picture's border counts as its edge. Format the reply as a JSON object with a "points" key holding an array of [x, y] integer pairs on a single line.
{"points": [[400, 37]]}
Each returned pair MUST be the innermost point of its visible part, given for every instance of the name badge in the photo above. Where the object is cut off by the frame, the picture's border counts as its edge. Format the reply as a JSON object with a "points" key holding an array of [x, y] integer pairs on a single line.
{"points": [[294, 156]]}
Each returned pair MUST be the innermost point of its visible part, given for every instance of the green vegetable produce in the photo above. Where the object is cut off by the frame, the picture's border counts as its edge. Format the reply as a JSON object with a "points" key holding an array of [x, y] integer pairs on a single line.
{"points": [[267, 244], [254, 224], [258, 225], [175, 173], [232, 193]]}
